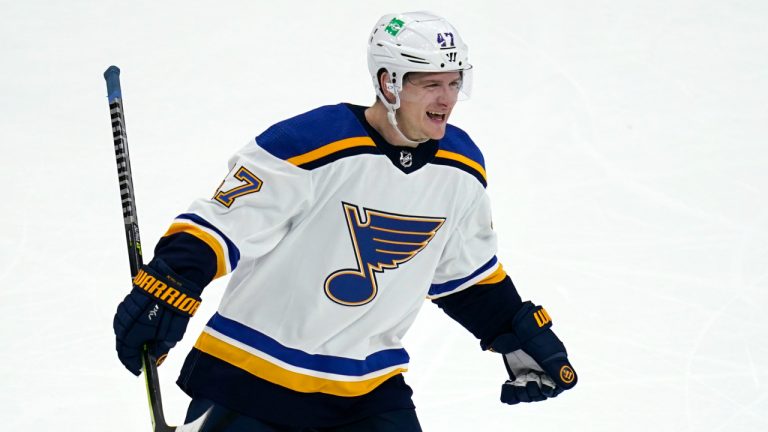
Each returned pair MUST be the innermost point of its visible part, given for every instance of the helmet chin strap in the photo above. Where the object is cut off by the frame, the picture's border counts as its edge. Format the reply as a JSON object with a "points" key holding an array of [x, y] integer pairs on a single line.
{"points": [[391, 109], [393, 122]]}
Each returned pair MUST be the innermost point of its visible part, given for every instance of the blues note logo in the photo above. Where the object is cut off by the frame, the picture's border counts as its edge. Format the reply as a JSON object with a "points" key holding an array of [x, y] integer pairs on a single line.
{"points": [[382, 242]]}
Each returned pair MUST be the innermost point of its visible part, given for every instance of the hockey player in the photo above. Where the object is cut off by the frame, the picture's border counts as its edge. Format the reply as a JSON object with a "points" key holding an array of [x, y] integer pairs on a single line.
{"points": [[335, 225]]}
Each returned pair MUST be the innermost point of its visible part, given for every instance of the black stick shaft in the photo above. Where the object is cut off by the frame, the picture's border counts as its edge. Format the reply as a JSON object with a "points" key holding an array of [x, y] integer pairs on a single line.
{"points": [[130, 219], [122, 157]]}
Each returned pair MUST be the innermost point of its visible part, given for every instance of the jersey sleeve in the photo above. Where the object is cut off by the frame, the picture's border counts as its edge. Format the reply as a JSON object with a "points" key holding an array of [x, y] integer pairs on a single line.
{"points": [[251, 211], [471, 286], [470, 254]]}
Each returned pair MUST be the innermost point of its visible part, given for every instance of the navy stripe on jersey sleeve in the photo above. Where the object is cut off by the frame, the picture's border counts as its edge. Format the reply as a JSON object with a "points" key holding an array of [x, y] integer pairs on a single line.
{"points": [[232, 251], [437, 289], [197, 250], [188, 256], [485, 310]]}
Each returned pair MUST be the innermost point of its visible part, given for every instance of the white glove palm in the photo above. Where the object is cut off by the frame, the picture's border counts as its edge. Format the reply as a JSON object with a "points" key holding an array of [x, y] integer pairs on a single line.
{"points": [[528, 382]]}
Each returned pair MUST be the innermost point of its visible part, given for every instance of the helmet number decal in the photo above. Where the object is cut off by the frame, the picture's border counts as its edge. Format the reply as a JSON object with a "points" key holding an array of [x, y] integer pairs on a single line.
{"points": [[443, 40]]}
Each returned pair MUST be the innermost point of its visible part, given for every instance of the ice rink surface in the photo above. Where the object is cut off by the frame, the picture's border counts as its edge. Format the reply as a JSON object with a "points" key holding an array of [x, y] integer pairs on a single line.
{"points": [[625, 143]]}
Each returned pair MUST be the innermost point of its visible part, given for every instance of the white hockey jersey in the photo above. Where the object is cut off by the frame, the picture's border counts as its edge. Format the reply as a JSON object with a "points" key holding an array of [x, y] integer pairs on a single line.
{"points": [[334, 239]]}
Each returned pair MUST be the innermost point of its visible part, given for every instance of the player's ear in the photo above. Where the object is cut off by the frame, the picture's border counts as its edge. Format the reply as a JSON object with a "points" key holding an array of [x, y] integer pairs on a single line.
{"points": [[386, 86]]}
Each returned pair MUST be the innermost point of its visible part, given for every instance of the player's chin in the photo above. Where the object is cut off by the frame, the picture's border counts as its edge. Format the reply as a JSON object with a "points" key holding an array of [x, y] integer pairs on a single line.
{"points": [[435, 128], [436, 132]]}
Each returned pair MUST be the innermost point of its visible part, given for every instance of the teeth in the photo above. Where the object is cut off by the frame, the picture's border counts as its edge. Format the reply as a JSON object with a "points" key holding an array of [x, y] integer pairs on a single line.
{"points": [[436, 114]]}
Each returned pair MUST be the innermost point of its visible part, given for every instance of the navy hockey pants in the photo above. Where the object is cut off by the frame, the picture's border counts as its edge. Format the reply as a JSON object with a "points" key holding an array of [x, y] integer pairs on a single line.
{"points": [[222, 419]]}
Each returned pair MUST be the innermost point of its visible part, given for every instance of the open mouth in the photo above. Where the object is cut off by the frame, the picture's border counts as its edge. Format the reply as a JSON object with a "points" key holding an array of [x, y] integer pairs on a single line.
{"points": [[436, 116]]}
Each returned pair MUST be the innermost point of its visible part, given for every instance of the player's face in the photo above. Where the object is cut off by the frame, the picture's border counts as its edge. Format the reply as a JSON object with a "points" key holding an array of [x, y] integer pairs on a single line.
{"points": [[426, 102]]}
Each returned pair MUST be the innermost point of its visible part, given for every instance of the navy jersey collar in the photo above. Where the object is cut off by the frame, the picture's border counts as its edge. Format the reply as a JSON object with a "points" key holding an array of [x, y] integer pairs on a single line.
{"points": [[406, 159]]}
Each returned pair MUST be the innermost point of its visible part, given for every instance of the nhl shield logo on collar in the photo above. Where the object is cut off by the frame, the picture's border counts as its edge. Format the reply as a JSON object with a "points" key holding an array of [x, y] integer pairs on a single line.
{"points": [[406, 158]]}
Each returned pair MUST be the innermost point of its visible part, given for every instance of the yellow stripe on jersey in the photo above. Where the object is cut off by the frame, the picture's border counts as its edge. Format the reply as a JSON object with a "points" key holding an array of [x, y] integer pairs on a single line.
{"points": [[336, 146], [462, 159], [495, 277], [216, 247], [289, 379]]}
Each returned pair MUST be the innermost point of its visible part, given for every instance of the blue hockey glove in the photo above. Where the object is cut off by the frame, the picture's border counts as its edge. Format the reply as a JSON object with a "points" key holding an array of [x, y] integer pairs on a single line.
{"points": [[535, 358], [156, 313]]}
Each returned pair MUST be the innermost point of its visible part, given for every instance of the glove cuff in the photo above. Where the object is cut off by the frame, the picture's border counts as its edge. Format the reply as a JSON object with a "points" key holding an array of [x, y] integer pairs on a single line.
{"points": [[530, 320], [176, 295]]}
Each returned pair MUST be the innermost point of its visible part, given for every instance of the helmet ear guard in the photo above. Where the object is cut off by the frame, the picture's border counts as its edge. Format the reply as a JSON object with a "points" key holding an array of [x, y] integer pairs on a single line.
{"points": [[389, 85]]}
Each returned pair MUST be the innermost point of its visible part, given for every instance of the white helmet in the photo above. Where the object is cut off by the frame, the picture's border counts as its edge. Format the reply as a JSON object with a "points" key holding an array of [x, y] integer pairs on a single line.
{"points": [[414, 42]]}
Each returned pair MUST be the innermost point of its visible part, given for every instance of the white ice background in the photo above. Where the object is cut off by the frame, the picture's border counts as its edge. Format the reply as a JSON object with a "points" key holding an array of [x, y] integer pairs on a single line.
{"points": [[625, 143]]}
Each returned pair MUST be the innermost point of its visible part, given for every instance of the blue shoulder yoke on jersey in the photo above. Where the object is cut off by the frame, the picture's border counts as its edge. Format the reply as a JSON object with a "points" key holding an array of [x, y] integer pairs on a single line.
{"points": [[317, 137], [458, 150], [332, 132]]}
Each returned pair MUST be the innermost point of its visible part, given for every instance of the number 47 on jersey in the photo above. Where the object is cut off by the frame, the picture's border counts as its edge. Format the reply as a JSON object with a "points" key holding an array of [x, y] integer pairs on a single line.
{"points": [[249, 184]]}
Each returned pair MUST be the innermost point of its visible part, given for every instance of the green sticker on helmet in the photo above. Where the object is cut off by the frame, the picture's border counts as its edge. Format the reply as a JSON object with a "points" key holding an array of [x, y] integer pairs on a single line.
{"points": [[394, 26]]}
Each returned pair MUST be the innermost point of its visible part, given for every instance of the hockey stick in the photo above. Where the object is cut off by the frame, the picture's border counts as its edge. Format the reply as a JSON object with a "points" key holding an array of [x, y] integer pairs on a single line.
{"points": [[148, 361]]}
